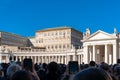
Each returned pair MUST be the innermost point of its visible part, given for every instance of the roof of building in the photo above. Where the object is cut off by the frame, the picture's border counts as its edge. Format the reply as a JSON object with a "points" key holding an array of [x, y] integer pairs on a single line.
{"points": [[100, 31], [12, 34], [31, 37], [56, 28]]}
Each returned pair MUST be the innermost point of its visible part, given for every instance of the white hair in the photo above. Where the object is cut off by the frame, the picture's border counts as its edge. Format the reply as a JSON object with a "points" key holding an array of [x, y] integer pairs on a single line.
{"points": [[12, 69]]}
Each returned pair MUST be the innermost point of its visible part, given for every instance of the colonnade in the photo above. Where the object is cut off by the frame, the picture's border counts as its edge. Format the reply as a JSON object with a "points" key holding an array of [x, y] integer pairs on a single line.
{"points": [[98, 53], [41, 58], [101, 53]]}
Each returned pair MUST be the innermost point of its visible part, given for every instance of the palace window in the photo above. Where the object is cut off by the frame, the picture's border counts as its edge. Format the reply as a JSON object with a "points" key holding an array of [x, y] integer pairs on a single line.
{"points": [[63, 46], [68, 32], [63, 33], [48, 47], [45, 34], [60, 33], [48, 34], [51, 47], [52, 34], [68, 46], [59, 46], [55, 46], [56, 33]]}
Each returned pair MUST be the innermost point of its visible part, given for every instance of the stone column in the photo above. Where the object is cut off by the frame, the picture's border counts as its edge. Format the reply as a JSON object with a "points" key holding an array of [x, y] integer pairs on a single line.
{"points": [[23, 57], [16, 58], [54, 58], [79, 59], [42, 59], [7, 58], [65, 60], [85, 54], [90, 53], [110, 59], [20, 58], [74, 57], [48, 59], [62, 59], [68, 58], [114, 54], [35, 59], [38, 59], [32, 58], [12, 58], [106, 53], [58, 59], [82, 56], [93, 53]]}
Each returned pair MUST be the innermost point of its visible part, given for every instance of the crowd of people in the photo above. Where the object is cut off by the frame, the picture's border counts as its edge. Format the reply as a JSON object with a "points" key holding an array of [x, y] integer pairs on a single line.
{"points": [[54, 71]]}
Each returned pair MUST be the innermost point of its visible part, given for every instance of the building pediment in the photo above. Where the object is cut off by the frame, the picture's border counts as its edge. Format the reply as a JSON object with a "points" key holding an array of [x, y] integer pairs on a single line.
{"points": [[100, 35]]}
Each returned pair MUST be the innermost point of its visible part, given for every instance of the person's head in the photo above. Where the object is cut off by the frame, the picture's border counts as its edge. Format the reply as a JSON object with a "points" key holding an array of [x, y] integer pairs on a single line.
{"points": [[117, 70], [92, 74], [104, 66], [44, 66], [118, 61], [92, 64], [53, 67], [21, 75], [12, 69], [27, 64]]}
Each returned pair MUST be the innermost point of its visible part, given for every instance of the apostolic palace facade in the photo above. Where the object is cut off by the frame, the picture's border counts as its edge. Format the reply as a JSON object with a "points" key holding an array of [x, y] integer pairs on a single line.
{"points": [[61, 44]]}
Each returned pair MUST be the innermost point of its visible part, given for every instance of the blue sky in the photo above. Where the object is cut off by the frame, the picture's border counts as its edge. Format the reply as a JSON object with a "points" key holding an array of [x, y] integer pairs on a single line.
{"points": [[24, 17]]}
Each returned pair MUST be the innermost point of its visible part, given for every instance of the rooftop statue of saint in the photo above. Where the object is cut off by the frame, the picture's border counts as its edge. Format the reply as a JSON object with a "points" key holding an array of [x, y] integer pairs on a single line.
{"points": [[88, 32], [115, 31]]}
